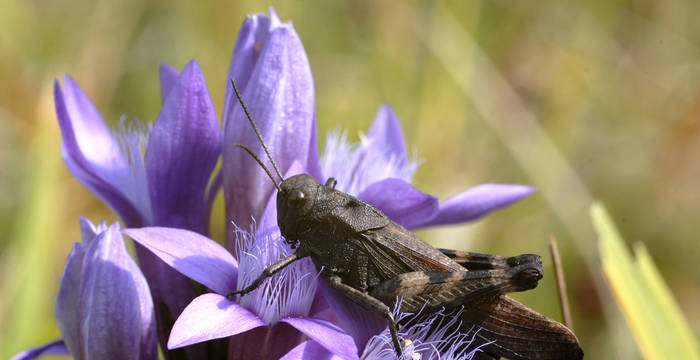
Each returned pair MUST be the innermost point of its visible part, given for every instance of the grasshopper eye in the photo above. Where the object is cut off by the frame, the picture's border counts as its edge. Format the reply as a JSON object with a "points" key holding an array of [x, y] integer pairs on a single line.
{"points": [[297, 197]]}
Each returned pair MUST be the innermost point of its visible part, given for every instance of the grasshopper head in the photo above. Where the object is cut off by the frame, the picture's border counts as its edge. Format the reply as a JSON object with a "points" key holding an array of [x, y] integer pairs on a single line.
{"points": [[295, 200]]}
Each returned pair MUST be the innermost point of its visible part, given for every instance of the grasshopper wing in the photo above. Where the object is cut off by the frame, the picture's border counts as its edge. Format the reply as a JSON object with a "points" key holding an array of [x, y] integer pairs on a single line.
{"points": [[510, 329], [394, 251]]}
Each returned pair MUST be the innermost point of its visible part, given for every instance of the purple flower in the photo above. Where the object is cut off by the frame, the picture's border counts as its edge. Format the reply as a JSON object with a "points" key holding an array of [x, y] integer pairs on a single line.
{"points": [[272, 72], [166, 186], [103, 308], [377, 170], [264, 324], [165, 196]]}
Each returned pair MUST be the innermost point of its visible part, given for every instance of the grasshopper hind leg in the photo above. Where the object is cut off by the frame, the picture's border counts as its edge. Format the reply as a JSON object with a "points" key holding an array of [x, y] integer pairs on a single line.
{"points": [[370, 303]]}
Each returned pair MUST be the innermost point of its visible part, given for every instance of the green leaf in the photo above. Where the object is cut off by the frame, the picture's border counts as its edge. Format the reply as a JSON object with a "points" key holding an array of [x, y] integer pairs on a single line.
{"points": [[657, 323]]}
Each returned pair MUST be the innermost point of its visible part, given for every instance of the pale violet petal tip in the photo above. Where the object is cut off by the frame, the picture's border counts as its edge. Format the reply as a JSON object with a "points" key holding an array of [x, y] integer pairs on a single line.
{"points": [[250, 41], [84, 114], [477, 202], [326, 334], [386, 134], [274, 18], [88, 231], [211, 316], [192, 254], [168, 77]]}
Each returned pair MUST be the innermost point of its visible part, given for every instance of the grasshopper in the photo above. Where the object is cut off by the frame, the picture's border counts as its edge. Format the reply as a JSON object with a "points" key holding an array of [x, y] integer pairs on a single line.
{"points": [[373, 261]]}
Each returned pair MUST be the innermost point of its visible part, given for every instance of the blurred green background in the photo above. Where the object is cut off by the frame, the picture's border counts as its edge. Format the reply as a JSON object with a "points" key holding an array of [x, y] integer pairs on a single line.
{"points": [[583, 99]]}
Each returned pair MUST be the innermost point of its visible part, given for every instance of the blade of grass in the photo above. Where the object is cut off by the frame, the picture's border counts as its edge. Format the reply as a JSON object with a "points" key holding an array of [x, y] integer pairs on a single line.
{"points": [[653, 316]]}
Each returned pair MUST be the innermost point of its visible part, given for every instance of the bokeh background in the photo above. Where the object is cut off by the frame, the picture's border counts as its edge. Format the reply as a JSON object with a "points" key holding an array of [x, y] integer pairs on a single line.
{"points": [[583, 99]]}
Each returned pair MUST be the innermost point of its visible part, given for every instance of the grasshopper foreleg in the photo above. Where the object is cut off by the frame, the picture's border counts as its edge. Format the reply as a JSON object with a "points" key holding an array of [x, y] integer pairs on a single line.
{"points": [[269, 271]]}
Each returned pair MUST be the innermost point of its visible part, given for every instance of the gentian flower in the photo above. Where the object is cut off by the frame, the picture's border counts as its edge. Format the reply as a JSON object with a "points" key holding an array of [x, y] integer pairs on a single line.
{"points": [[377, 170], [103, 308], [167, 186], [272, 72], [165, 197]]}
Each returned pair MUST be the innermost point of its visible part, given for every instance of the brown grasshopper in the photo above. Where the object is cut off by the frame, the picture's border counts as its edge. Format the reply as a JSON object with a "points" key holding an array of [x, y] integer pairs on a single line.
{"points": [[373, 261]]}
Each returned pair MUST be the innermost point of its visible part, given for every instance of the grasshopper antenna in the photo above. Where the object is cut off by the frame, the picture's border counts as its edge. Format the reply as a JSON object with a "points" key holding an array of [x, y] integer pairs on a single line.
{"points": [[260, 163], [257, 132]]}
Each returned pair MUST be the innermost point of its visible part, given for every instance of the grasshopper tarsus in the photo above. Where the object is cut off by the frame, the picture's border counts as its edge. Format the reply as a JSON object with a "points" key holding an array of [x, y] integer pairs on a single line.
{"points": [[243, 291], [247, 289]]}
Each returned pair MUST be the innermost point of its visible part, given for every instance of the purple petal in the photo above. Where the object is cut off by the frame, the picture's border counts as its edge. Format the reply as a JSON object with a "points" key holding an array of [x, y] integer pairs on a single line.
{"points": [[313, 164], [320, 309], [251, 39], [310, 350], [168, 79], [56, 347], [401, 202], [192, 254], [91, 133], [212, 192], [386, 134], [66, 308], [358, 322], [117, 319], [265, 342], [280, 97], [92, 155], [182, 151], [477, 202], [328, 335], [211, 316], [89, 231], [171, 291]]}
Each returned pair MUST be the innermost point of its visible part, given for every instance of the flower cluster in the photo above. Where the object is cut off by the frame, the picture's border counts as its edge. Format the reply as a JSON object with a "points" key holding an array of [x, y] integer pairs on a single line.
{"points": [[161, 182]]}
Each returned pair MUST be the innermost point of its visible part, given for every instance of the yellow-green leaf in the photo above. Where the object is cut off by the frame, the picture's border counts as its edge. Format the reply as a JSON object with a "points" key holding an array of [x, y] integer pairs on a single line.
{"points": [[653, 316]]}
